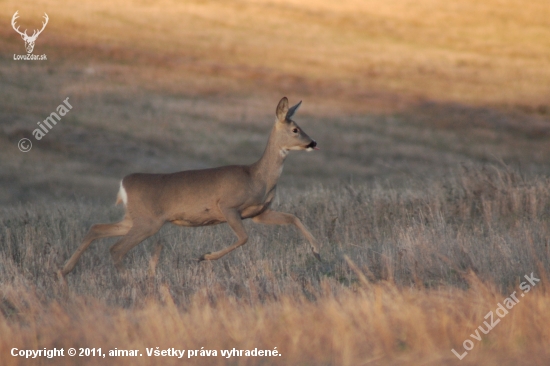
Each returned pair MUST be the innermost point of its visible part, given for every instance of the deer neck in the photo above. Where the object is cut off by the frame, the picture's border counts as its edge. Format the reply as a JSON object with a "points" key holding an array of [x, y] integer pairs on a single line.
{"points": [[270, 166]]}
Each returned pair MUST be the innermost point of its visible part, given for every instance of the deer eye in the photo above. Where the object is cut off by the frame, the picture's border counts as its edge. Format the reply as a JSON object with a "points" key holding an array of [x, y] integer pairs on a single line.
{"points": [[295, 130]]}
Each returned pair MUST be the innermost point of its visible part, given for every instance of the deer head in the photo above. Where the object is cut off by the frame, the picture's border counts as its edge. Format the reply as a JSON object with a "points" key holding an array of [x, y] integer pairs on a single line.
{"points": [[290, 136], [29, 41]]}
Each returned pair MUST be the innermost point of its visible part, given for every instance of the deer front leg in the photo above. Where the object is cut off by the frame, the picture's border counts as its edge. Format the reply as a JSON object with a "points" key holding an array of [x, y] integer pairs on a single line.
{"points": [[233, 218], [270, 217]]}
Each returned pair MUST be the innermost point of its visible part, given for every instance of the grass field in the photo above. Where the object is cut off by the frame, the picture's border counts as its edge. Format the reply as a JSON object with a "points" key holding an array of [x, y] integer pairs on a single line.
{"points": [[406, 276], [429, 195]]}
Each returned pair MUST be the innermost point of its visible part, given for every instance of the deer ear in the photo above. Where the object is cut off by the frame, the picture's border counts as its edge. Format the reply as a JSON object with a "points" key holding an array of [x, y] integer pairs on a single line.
{"points": [[293, 110], [282, 109]]}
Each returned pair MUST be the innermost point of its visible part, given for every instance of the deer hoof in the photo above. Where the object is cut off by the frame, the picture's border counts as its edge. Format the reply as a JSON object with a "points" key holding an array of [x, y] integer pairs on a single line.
{"points": [[60, 276], [203, 257], [317, 256]]}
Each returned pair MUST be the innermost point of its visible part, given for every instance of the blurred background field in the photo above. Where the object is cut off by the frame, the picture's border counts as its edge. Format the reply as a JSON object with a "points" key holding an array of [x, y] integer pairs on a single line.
{"points": [[433, 119], [391, 89]]}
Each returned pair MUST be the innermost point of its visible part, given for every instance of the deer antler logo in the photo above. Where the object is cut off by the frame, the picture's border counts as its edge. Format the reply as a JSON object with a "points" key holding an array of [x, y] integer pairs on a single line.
{"points": [[29, 41]]}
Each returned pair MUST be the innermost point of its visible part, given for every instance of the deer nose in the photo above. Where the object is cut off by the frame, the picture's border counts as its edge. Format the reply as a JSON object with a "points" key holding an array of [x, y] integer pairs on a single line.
{"points": [[312, 145]]}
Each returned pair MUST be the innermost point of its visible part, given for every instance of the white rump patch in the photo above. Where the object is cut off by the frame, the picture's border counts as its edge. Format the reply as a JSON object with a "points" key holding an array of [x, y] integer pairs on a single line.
{"points": [[122, 194]]}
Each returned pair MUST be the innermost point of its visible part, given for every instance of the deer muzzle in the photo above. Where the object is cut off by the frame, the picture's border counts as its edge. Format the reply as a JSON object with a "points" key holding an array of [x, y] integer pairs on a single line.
{"points": [[312, 146]]}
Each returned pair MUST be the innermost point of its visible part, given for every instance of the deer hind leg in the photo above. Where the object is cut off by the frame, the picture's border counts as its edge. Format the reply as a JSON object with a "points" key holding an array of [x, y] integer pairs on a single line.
{"points": [[138, 233], [234, 220], [97, 231], [270, 217]]}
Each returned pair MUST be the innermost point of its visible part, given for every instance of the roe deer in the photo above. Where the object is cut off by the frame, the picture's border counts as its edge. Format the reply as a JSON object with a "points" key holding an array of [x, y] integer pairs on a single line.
{"points": [[206, 197]]}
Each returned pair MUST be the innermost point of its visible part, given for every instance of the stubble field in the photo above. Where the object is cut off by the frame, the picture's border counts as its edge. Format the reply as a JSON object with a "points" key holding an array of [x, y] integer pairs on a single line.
{"points": [[429, 195]]}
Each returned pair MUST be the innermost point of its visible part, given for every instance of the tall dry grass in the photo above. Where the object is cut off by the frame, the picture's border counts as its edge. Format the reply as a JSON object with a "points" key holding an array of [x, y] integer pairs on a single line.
{"points": [[407, 275]]}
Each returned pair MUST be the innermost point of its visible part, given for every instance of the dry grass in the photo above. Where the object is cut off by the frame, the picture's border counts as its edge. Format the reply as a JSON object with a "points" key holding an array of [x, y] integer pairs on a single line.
{"points": [[366, 54], [390, 90], [378, 325], [409, 101], [427, 266]]}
